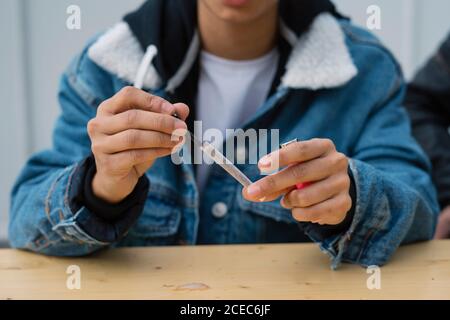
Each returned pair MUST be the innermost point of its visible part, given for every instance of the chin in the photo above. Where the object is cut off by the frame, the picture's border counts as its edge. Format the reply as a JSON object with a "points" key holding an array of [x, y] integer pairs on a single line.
{"points": [[240, 11]]}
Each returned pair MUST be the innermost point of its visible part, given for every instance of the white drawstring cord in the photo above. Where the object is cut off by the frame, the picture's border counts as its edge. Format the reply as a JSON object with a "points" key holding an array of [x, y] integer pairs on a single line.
{"points": [[149, 55]]}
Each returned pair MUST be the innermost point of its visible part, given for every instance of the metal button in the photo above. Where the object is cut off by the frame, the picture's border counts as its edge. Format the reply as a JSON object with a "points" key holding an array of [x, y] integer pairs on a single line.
{"points": [[219, 210]]}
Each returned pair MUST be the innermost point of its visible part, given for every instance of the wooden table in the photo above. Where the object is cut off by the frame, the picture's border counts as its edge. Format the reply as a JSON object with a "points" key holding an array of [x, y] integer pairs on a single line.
{"points": [[284, 271]]}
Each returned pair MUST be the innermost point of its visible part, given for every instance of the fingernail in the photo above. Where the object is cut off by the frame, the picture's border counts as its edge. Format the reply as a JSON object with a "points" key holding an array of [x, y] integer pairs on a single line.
{"points": [[262, 199], [265, 161], [253, 190]]}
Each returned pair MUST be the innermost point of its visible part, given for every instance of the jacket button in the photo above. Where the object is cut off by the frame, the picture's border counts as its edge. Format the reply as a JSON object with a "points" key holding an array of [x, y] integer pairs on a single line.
{"points": [[219, 210]]}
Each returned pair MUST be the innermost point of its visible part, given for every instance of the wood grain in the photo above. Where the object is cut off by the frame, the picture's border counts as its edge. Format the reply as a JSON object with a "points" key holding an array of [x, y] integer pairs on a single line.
{"points": [[282, 271]]}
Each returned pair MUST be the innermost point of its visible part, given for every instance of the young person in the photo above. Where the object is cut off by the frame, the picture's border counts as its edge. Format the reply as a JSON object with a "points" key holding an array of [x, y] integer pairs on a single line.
{"points": [[428, 102], [295, 66]]}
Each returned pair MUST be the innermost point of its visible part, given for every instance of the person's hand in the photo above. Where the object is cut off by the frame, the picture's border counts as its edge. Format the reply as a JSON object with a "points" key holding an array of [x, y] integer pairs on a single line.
{"points": [[443, 227], [131, 130], [325, 201]]}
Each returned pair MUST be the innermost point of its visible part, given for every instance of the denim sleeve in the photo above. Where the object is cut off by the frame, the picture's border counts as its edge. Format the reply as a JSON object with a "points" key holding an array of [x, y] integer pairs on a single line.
{"points": [[396, 200], [44, 216]]}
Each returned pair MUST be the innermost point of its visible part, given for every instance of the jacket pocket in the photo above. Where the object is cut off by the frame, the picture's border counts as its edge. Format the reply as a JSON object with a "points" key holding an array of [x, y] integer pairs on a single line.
{"points": [[161, 216]]}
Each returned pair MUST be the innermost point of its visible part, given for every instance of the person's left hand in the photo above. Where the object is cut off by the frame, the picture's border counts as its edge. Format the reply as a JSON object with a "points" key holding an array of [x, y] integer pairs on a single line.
{"points": [[325, 201]]}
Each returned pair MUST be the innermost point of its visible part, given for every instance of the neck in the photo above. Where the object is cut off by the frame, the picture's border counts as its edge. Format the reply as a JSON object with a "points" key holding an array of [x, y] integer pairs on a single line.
{"points": [[237, 41]]}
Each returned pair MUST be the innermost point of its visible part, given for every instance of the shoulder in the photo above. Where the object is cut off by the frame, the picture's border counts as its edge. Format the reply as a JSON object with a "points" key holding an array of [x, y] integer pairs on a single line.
{"points": [[363, 43], [87, 79], [108, 62], [375, 63]]}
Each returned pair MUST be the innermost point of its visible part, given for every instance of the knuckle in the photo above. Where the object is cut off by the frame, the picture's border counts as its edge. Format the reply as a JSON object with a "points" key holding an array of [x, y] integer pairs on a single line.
{"points": [[168, 123], [344, 182], [344, 204], [298, 214], [342, 160], [134, 156], [96, 148], [325, 144], [159, 140], [150, 100], [348, 203], [131, 138], [154, 121], [103, 106], [270, 184], [124, 95], [298, 171], [92, 127], [132, 117], [303, 199], [339, 161], [328, 144], [127, 92], [300, 148]]}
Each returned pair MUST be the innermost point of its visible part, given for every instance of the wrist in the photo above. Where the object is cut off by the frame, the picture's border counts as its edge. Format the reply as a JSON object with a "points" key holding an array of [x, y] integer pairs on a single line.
{"points": [[110, 191]]}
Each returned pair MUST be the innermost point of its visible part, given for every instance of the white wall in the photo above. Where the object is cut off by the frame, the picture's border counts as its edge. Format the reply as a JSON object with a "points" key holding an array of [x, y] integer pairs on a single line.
{"points": [[35, 47], [410, 28]]}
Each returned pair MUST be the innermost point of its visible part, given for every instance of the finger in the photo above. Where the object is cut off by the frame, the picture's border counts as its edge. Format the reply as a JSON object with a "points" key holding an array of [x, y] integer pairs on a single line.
{"points": [[295, 153], [136, 119], [314, 170], [442, 229], [127, 159], [141, 168], [268, 198], [132, 98], [181, 110], [331, 212], [133, 139], [317, 192]]}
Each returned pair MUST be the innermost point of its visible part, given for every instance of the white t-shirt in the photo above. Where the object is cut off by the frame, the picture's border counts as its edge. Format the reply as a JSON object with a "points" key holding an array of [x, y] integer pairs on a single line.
{"points": [[230, 92]]}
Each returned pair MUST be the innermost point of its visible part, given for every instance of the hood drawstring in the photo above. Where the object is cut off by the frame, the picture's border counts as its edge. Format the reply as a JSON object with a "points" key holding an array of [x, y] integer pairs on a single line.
{"points": [[149, 55]]}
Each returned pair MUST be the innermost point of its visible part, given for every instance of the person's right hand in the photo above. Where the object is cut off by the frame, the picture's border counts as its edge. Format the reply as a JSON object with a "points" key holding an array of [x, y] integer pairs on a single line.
{"points": [[131, 130], [443, 227]]}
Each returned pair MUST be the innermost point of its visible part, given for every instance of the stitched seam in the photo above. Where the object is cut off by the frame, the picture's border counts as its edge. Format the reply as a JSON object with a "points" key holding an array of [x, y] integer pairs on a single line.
{"points": [[371, 43], [49, 195], [69, 184]]}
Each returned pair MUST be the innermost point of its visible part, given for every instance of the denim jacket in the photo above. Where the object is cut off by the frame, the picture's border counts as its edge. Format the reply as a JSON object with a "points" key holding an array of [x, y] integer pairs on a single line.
{"points": [[339, 83]]}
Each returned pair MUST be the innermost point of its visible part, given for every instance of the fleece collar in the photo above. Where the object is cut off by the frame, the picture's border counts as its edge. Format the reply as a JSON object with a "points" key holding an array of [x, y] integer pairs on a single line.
{"points": [[319, 57]]}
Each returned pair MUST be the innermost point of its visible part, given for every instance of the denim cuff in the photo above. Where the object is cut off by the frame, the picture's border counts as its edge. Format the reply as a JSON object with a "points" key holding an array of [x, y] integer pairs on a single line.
{"points": [[104, 210], [101, 221]]}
